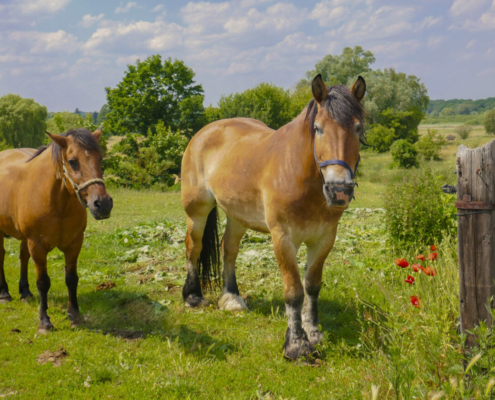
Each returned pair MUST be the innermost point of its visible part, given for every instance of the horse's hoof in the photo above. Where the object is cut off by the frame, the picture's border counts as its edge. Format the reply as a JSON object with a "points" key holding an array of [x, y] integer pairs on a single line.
{"points": [[195, 301], [231, 302], [44, 328], [26, 298], [75, 323], [5, 298], [314, 335], [297, 346]]}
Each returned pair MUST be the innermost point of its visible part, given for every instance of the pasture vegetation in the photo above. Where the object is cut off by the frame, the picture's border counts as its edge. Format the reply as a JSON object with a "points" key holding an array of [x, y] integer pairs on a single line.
{"points": [[139, 341]]}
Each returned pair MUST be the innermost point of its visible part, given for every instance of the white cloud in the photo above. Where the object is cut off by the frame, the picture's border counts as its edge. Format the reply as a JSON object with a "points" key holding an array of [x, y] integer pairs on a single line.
{"points": [[435, 41], [470, 44], [159, 7], [88, 20], [125, 9], [46, 42], [463, 7], [396, 49], [41, 6], [485, 22], [329, 14], [430, 21]]}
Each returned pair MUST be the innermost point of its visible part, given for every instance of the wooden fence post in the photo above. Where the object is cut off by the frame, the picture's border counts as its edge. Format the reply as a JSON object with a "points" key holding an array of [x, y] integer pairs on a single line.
{"points": [[476, 235]]}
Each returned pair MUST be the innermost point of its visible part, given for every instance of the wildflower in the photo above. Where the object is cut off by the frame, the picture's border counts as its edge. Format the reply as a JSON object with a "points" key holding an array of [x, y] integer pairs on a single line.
{"points": [[432, 256], [430, 271], [409, 279], [416, 267], [401, 262], [415, 301], [433, 247], [421, 257]]}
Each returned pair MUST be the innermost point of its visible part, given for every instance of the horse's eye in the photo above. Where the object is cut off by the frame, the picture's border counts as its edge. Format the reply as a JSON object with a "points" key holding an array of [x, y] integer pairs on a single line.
{"points": [[359, 127], [73, 164], [319, 131]]}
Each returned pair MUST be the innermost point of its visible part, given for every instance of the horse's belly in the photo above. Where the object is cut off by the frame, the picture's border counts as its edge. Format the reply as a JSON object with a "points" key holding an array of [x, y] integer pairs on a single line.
{"points": [[249, 213]]}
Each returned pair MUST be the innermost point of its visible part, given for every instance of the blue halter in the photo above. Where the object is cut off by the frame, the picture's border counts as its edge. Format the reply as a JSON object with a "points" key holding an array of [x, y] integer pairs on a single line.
{"points": [[335, 162]]}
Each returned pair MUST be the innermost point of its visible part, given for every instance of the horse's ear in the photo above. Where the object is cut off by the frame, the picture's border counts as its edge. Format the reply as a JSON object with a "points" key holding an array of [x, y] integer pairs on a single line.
{"points": [[359, 88], [319, 89], [97, 133], [60, 140]]}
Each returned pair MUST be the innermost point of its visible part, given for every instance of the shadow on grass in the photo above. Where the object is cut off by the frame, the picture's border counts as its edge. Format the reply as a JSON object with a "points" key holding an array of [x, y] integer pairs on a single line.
{"points": [[132, 316]]}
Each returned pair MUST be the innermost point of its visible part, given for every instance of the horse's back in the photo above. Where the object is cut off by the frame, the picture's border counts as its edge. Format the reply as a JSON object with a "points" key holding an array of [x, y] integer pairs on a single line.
{"points": [[14, 156]]}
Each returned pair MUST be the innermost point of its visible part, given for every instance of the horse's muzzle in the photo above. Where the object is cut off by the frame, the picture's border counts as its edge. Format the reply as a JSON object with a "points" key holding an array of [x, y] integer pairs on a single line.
{"points": [[101, 206], [339, 193]]}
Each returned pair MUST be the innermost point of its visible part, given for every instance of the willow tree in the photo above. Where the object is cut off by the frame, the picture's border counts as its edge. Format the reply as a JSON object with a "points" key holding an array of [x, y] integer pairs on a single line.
{"points": [[22, 121]]}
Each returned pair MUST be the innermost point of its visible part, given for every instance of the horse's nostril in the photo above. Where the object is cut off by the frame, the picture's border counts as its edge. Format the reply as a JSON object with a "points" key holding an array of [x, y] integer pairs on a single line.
{"points": [[97, 204]]}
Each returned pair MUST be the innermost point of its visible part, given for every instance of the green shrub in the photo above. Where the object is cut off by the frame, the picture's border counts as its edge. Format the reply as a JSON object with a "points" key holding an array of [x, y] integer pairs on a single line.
{"points": [[381, 138], [404, 154], [429, 145], [418, 212], [489, 122], [144, 162], [463, 131], [446, 112]]}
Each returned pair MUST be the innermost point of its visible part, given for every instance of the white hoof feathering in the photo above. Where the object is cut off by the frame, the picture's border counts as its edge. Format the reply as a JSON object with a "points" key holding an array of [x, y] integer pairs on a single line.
{"points": [[231, 302]]}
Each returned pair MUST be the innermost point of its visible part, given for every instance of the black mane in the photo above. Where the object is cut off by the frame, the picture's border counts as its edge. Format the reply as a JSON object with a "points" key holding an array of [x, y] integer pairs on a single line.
{"points": [[81, 136], [342, 105]]}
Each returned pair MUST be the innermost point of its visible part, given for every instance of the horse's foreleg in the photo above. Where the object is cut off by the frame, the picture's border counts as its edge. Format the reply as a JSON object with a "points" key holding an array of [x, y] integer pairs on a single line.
{"points": [[296, 341], [4, 288], [23, 282], [230, 299], [191, 293], [71, 279], [317, 253], [38, 254]]}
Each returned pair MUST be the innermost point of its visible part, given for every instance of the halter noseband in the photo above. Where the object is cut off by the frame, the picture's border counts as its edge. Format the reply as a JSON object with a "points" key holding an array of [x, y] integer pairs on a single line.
{"points": [[77, 187], [334, 162]]}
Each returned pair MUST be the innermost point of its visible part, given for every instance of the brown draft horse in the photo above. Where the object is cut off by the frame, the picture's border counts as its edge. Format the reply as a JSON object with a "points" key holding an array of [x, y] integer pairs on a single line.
{"points": [[274, 181], [42, 203]]}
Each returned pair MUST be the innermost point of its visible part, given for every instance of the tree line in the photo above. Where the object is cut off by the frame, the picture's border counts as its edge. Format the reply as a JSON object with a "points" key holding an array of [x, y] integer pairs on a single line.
{"points": [[157, 107]]}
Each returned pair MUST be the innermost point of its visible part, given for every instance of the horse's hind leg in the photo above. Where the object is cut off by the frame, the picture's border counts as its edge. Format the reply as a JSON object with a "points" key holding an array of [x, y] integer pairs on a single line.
{"points": [[4, 288], [23, 282], [230, 299], [196, 223]]}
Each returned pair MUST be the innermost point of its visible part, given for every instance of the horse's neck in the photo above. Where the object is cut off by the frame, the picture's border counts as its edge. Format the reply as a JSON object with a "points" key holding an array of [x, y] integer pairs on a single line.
{"points": [[47, 178]]}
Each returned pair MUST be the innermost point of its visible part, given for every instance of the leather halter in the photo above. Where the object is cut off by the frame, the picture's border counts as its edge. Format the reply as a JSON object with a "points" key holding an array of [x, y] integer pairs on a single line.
{"points": [[334, 162], [77, 187]]}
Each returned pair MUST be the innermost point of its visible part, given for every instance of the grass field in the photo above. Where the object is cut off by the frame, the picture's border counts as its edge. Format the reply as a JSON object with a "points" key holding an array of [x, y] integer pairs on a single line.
{"points": [[139, 341]]}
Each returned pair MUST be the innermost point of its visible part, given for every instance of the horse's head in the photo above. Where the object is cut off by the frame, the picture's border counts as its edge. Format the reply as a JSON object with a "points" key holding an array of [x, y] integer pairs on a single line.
{"points": [[336, 121], [80, 157]]}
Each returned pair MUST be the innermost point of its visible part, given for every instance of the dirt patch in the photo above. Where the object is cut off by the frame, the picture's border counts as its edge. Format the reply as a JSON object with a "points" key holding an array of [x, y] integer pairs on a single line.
{"points": [[15, 330], [125, 334], [56, 357], [105, 285]]}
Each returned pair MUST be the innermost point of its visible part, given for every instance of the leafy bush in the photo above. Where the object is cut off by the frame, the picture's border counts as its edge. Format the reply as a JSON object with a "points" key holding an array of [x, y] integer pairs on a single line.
{"points": [[404, 154], [489, 122], [446, 112], [145, 162], [381, 138], [405, 123], [418, 212], [463, 131], [429, 145]]}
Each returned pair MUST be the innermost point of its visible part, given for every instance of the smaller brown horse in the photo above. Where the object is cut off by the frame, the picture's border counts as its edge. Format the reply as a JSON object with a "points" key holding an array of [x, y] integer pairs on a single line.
{"points": [[42, 203]]}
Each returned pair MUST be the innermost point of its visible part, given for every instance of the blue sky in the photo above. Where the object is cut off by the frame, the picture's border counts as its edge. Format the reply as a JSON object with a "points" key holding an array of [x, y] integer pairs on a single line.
{"points": [[63, 53]]}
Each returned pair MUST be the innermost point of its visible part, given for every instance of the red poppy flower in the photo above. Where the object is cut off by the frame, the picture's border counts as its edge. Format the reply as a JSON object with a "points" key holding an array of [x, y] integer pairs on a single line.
{"points": [[433, 247], [430, 271], [432, 256], [409, 279], [415, 301], [420, 257], [416, 267], [401, 262]]}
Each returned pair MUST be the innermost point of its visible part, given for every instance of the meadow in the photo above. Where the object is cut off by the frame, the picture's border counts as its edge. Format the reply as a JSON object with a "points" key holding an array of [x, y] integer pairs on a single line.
{"points": [[138, 341]]}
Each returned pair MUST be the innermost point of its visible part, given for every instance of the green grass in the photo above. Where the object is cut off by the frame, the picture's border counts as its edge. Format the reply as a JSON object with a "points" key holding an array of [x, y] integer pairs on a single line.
{"points": [[374, 336]]}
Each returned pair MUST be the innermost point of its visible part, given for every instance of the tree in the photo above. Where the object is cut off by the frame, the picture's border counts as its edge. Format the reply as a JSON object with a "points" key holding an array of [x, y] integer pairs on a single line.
{"points": [[152, 91], [381, 138], [388, 89], [22, 122], [489, 122], [447, 112], [404, 154], [102, 115], [212, 114], [342, 69], [430, 144], [265, 102], [404, 123]]}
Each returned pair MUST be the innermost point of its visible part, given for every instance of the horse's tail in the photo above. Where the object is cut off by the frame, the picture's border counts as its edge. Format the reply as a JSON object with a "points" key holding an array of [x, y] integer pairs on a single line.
{"points": [[209, 259]]}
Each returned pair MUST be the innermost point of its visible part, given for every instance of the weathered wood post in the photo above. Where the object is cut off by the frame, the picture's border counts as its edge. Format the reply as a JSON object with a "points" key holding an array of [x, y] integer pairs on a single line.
{"points": [[476, 234]]}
